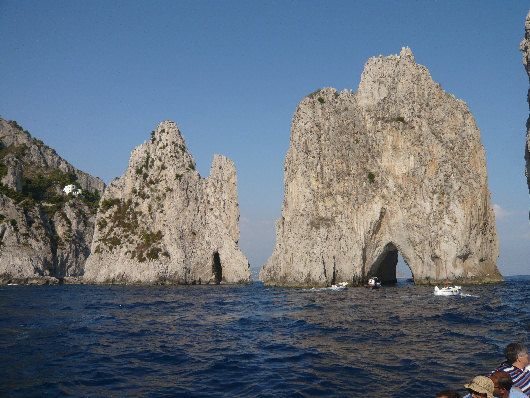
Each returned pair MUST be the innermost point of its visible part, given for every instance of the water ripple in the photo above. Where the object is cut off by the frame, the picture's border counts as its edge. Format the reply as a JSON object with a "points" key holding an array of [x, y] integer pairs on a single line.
{"points": [[240, 341]]}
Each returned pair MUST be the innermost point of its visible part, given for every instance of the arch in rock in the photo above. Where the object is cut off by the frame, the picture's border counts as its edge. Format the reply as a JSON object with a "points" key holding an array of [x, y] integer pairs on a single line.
{"points": [[384, 266], [217, 268]]}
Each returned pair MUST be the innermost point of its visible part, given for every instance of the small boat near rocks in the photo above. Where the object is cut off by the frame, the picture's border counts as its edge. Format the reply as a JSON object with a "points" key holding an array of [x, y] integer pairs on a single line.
{"points": [[340, 285], [447, 290], [373, 283]]}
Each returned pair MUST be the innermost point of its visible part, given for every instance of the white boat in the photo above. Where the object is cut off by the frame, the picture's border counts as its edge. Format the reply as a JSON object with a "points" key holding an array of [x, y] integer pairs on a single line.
{"points": [[447, 290], [373, 283], [340, 285]]}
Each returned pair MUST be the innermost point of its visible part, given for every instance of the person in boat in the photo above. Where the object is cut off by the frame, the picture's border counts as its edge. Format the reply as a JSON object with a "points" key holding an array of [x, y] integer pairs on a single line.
{"points": [[516, 362], [502, 383], [480, 387]]}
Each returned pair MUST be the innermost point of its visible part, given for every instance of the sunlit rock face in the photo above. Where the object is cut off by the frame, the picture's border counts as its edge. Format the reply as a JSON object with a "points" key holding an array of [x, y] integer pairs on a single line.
{"points": [[525, 48], [45, 234], [162, 223], [396, 167]]}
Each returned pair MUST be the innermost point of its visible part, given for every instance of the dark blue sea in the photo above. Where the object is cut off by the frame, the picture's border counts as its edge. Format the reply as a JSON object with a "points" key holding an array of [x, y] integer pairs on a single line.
{"points": [[253, 341]]}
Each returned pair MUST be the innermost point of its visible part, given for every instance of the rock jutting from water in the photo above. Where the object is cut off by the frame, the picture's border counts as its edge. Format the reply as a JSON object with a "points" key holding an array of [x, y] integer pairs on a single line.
{"points": [[525, 48], [45, 233], [397, 167], [162, 223]]}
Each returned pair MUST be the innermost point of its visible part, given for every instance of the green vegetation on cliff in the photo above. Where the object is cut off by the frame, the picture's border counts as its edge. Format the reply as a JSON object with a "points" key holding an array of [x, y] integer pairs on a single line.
{"points": [[40, 185]]}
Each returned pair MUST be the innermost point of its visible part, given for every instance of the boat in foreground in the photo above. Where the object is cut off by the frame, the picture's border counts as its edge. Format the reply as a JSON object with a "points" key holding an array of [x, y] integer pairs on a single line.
{"points": [[447, 291]]}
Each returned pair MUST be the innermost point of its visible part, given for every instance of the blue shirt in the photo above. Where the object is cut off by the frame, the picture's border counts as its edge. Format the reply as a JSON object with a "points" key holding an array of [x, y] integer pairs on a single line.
{"points": [[514, 393]]}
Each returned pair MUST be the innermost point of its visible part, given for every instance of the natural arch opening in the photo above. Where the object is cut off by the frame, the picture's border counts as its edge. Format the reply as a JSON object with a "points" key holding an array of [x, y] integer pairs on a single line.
{"points": [[403, 270], [386, 265], [217, 269]]}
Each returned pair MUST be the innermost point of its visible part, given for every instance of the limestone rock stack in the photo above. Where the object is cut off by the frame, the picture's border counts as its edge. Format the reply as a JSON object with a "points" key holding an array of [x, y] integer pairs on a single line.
{"points": [[162, 223], [396, 167], [525, 48], [45, 235]]}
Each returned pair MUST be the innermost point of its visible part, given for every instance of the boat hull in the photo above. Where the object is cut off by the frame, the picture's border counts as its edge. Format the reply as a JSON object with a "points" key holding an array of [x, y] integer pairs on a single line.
{"points": [[447, 291]]}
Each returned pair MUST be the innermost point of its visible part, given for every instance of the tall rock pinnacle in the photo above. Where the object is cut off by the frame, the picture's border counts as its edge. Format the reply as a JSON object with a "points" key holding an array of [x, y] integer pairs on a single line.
{"points": [[162, 223], [397, 167], [525, 48]]}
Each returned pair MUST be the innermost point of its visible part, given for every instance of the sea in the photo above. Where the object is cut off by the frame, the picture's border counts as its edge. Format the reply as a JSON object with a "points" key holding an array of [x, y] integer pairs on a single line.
{"points": [[253, 340]]}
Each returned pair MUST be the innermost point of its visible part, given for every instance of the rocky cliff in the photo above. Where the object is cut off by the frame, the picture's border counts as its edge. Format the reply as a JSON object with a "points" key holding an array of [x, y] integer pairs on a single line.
{"points": [[525, 48], [162, 223], [397, 167], [45, 235]]}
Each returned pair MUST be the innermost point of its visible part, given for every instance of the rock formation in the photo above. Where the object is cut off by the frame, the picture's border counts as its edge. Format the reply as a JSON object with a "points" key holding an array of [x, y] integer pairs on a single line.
{"points": [[45, 235], [396, 167], [525, 48], [161, 223]]}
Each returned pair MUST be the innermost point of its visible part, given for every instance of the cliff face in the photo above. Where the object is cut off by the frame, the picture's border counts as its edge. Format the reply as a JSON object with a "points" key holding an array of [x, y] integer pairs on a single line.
{"points": [[525, 48], [162, 223], [45, 235], [396, 167]]}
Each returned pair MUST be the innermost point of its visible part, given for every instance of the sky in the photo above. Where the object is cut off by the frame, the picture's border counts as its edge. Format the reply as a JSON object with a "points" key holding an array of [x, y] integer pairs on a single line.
{"points": [[92, 79]]}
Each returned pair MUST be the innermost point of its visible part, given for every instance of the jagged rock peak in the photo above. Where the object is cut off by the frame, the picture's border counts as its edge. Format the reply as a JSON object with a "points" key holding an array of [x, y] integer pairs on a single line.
{"points": [[525, 48], [165, 142], [397, 167], [406, 52], [162, 223]]}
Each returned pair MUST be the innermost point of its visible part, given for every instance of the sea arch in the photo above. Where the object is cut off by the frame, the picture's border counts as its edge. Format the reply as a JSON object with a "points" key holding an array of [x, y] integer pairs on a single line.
{"points": [[217, 268], [384, 263]]}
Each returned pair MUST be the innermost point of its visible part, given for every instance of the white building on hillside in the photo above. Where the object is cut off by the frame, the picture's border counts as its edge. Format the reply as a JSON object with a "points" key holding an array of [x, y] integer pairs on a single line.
{"points": [[71, 189]]}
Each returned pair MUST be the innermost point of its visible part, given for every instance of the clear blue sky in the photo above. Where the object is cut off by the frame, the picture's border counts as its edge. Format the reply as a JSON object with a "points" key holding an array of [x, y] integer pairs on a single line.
{"points": [[93, 78]]}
